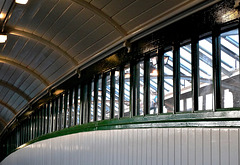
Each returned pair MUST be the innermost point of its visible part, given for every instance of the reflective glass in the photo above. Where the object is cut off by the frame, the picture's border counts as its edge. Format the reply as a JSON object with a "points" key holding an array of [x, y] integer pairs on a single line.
{"points": [[116, 108], [153, 85], [140, 82], [205, 98], [185, 78], [230, 77], [168, 83], [99, 102], [126, 90], [92, 101], [107, 110]]}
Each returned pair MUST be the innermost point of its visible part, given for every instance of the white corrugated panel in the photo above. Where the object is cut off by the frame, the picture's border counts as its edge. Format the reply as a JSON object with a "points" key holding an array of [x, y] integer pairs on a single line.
{"points": [[167, 146]]}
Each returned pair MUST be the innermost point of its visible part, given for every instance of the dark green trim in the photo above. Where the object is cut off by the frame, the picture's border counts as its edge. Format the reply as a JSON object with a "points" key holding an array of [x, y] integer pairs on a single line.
{"points": [[60, 112], [146, 96], [76, 93], [216, 53], [121, 92], [70, 107], [176, 76], [112, 93], [160, 88], [133, 92], [195, 73]]}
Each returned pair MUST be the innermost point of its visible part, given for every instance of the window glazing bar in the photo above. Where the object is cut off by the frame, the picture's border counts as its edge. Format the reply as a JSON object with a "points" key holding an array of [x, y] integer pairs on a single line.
{"points": [[70, 107], [176, 77], [56, 114], [75, 104], [121, 92], [160, 90], [65, 109], [60, 112], [82, 98], [146, 86], [89, 97], [112, 93], [103, 108], [216, 46], [52, 115], [40, 121], [133, 91], [195, 73], [44, 119]]}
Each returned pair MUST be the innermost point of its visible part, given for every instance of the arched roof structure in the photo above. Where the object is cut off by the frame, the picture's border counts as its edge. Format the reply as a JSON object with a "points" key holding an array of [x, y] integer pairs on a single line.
{"points": [[48, 39]]}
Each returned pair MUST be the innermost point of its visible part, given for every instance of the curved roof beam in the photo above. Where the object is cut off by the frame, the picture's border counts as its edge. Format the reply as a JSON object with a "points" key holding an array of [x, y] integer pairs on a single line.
{"points": [[44, 42], [104, 16], [3, 121], [15, 89], [8, 107], [30, 71]]}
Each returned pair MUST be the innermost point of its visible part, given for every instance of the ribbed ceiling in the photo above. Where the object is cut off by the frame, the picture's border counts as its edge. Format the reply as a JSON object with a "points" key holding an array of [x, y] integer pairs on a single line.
{"points": [[49, 38]]}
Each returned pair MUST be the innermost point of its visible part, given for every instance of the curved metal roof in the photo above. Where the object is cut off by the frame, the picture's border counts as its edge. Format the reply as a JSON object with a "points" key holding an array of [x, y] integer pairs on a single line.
{"points": [[47, 39]]}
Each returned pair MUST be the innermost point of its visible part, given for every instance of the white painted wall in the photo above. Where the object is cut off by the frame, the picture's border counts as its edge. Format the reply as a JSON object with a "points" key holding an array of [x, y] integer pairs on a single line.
{"points": [[157, 146]]}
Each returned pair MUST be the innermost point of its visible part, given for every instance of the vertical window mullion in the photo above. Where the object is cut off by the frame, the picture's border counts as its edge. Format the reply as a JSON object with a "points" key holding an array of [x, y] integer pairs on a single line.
{"points": [[85, 104], [47, 115], [76, 105], [121, 92], [176, 76], [44, 119], [65, 109], [216, 68], [112, 94], [35, 126], [103, 108], [52, 115], [133, 91], [160, 86], [56, 114], [60, 112], [195, 73], [70, 108], [146, 86], [89, 94], [40, 121]]}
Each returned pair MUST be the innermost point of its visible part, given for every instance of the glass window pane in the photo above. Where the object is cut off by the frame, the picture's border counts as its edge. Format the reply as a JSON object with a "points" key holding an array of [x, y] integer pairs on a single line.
{"points": [[50, 117], [126, 90], [107, 110], [140, 92], [73, 108], [185, 78], [205, 98], [79, 105], [116, 109], [99, 102], [67, 110], [168, 83], [63, 112], [153, 85], [230, 80], [92, 101], [54, 116], [58, 114]]}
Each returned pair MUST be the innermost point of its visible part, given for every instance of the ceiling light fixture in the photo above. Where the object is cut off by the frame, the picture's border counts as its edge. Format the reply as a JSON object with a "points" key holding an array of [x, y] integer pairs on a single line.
{"points": [[2, 15], [58, 91], [22, 2], [3, 38]]}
